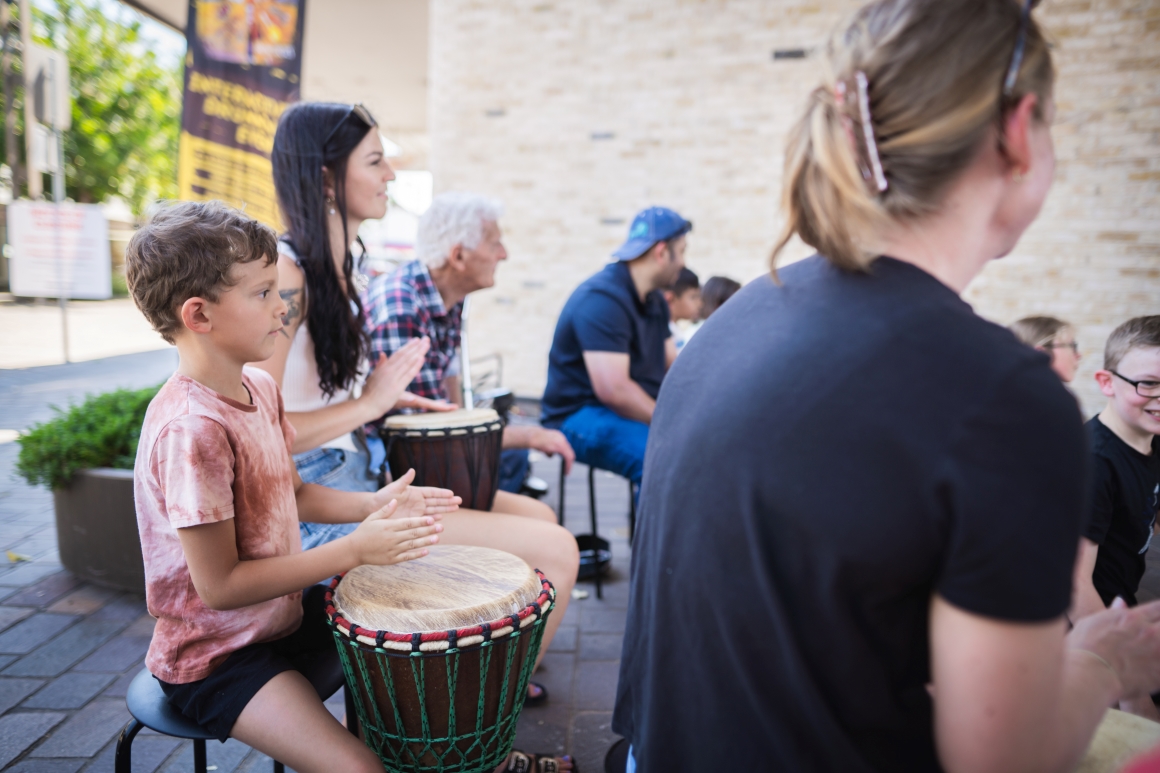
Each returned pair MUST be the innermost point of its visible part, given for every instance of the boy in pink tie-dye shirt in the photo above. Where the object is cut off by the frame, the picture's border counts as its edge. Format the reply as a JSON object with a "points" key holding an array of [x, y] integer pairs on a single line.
{"points": [[219, 501]]}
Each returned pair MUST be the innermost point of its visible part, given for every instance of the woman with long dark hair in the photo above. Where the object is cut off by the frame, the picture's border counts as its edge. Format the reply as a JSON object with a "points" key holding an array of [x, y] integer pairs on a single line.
{"points": [[326, 189], [331, 174]]}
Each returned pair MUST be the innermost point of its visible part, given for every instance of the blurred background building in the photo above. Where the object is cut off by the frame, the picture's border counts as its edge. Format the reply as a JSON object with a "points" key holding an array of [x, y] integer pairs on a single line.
{"points": [[578, 114]]}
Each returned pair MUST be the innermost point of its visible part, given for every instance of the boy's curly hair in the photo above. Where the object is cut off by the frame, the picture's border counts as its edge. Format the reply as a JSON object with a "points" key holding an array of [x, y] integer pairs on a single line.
{"points": [[186, 251]]}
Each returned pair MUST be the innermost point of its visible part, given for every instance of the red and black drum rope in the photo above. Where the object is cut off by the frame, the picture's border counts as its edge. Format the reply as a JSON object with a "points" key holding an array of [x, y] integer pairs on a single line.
{"points": [[452, 637]]}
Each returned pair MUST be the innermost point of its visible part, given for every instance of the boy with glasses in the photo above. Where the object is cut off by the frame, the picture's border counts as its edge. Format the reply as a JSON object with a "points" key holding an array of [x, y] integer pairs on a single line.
{"points": [[1125, 473]]}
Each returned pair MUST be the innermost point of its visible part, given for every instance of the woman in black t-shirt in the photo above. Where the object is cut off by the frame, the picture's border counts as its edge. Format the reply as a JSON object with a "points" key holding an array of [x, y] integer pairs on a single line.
{"points": [[858, 528]]}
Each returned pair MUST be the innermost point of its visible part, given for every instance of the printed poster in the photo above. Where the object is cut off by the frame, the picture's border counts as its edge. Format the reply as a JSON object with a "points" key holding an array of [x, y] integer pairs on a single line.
{"points": [[242, 70]]}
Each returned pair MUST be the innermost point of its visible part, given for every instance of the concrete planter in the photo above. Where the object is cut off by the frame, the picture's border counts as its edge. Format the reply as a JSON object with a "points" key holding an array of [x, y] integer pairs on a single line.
{"points": [[96, 529]]}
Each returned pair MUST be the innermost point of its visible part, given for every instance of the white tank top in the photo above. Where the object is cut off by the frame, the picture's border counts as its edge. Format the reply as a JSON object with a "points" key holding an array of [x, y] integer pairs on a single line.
{"points": [[300, 384]]}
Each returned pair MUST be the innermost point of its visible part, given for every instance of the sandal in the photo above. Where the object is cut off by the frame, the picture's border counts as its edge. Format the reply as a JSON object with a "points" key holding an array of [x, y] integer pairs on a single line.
{"points": [[538, 700], [522, 762]]}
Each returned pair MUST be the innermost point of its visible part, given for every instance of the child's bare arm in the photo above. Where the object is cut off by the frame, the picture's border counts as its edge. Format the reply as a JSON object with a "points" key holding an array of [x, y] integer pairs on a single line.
{"points": [[1086, 600], [319, 504], [223, 581]]}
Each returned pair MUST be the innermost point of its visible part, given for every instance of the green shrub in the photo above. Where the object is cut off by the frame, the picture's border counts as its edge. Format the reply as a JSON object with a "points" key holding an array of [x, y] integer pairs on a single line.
{"points": [[100, 432]]}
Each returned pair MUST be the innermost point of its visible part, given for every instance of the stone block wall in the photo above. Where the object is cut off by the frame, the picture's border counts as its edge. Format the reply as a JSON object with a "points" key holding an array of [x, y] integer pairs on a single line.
{"points": [[578, 114]]}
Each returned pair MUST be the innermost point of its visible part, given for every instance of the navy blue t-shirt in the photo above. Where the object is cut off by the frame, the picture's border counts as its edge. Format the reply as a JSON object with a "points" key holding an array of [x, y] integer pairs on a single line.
{"points": [[604, 314], [827, 454]]}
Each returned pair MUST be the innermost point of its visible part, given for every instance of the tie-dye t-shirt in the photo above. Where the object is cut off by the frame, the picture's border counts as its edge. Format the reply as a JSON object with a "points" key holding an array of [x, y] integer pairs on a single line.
{"points": [[204, 458]]}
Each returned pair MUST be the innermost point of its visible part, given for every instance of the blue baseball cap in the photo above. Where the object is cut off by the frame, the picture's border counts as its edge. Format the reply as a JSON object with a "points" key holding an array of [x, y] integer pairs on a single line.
{"points": [[655, 224]]}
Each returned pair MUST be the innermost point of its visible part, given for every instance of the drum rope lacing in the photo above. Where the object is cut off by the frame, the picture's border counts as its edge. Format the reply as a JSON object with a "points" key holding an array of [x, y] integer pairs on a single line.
{"points": [[441, 641]]}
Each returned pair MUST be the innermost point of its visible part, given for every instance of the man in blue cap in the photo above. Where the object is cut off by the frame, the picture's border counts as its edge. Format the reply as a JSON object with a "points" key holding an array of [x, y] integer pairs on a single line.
{"points": [[613, 346]]}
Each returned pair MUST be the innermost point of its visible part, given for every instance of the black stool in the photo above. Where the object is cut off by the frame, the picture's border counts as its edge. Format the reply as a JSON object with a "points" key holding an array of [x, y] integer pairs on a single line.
{"points": [[150, 709], [592, 513]]}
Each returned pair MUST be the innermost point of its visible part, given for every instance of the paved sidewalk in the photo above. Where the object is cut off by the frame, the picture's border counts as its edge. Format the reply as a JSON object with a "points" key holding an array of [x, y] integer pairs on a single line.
{"points": [[68, 650], [30, 332]]}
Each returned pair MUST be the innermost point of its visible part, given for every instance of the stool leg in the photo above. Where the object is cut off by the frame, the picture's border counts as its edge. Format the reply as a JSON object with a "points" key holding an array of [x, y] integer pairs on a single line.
{"points": [[560, 507], [592, 513], [123, 762], [199, 755], [351, 712], [631, 511], [592, 497], [279, 767]]}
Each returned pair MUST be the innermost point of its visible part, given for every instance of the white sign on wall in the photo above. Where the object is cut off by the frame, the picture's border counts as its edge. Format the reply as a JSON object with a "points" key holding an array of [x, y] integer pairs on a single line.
{"points": [[59, 247]]}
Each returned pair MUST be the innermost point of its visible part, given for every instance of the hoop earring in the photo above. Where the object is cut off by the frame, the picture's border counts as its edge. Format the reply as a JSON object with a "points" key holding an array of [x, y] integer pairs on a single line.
{"points": [[330, 205]]}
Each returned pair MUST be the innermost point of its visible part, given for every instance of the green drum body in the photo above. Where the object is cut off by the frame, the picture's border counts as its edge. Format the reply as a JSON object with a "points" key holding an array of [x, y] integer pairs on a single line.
{"points": [[440, 699]]}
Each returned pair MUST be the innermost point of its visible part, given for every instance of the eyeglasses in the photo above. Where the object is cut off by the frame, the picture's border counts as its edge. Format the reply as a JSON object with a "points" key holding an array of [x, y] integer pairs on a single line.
{"points": [[1073, 346], [1020, 47], [1143, 388], [358, 110]]}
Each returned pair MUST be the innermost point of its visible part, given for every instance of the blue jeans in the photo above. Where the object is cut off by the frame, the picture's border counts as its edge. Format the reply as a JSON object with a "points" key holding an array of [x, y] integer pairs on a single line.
{"points": [[513, 469], [606, 440], [339, 469]]}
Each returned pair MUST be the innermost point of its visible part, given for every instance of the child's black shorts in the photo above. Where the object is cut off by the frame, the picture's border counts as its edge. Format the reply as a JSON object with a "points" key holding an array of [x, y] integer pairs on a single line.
{"points": [[217, 701]]}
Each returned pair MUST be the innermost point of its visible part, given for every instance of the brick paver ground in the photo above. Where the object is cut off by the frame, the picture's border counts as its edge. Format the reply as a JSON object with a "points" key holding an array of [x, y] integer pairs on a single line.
{"points": [[68, 650]]}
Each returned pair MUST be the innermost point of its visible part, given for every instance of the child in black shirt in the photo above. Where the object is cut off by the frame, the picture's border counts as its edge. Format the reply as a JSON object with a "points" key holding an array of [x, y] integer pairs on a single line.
{"points": [[1125, 473]]}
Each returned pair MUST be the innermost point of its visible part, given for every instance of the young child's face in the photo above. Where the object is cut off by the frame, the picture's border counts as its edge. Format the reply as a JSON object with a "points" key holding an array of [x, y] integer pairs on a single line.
{"points": [[1142, 413], [687, 305], [247, 316]]}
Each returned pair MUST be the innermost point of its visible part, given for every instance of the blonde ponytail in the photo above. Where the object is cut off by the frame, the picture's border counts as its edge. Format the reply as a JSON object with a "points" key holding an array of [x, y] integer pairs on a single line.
{"points": [[934, 74]]}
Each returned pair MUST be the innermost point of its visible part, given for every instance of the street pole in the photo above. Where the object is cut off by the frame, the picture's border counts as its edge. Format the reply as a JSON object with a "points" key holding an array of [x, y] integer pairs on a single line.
{"points": [[58, 197], [35, 182], [12, 157]]}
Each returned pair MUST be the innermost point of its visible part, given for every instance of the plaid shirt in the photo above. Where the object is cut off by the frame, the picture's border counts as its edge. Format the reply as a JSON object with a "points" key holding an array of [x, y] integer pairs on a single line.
{"points": [[405, 304]]}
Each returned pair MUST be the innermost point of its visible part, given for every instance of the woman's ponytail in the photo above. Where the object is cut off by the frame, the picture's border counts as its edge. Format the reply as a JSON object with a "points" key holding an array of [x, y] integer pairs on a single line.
{"points": [[917, 86]]}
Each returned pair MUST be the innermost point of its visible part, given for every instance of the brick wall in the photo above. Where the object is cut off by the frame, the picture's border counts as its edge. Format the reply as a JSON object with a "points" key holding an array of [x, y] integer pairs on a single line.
{"points": [[577, 114]]}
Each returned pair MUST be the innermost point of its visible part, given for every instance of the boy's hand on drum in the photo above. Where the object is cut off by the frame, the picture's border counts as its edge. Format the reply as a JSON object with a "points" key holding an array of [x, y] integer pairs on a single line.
{"points": [[384, 538], [1128, 640], [416, 500], [391, 375]]}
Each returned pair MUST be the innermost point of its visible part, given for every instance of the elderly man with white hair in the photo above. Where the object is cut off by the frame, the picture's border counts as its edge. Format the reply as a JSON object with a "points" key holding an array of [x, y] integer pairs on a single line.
{"points": [[458, 248]]}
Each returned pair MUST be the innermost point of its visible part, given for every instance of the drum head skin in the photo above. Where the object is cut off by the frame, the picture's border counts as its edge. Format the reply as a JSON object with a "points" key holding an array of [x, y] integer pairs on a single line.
{"points": [[449, 420], [1119, 738], [454, 586]]}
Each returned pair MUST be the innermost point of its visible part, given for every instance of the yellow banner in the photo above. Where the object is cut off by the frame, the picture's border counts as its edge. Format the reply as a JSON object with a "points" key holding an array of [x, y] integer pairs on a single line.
{"points": [[207, 170]]}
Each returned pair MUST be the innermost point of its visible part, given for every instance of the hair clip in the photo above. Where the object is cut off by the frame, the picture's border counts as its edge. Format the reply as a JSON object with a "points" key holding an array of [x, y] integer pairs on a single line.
{"points": [[868, 130]]}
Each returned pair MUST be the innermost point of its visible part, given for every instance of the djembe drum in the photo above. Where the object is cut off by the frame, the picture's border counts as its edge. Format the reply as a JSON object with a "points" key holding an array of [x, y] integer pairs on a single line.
{"points": [[458, 450], [437, 654], [1119, 738]]}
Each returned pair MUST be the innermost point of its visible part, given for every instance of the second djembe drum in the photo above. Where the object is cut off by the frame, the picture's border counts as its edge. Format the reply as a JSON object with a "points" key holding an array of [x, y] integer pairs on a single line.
{"points": [[438, 652], [459, 450]]}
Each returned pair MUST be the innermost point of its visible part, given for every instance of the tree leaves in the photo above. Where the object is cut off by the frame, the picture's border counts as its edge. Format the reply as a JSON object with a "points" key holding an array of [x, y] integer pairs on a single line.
{"points": [[126, 112]]}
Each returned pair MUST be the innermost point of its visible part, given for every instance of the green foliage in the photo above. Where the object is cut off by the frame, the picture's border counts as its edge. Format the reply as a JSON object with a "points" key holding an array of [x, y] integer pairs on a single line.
{"points": [[100, 432], [126, 112]]}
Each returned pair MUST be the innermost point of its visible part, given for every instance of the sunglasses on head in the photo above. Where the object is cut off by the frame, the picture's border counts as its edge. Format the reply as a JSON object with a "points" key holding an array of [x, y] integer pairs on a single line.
{"points": [[359, 111], [1020, 47]]}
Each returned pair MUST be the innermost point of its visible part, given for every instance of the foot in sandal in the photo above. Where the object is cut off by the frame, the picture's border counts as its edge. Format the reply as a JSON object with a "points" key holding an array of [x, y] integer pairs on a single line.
{"points": [[522, 762]]}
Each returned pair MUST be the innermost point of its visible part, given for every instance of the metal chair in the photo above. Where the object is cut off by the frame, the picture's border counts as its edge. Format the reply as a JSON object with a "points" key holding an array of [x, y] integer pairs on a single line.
{"points": [[592, 513], [150, 709]]}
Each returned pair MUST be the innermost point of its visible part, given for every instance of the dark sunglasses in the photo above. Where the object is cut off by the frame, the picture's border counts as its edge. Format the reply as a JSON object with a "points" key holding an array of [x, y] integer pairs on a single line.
{"points": [[1020, 47], [359, 111]]}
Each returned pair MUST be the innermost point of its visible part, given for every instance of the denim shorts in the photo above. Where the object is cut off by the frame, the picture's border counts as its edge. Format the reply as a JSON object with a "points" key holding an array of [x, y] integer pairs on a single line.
{"points": [[336, 468]]}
